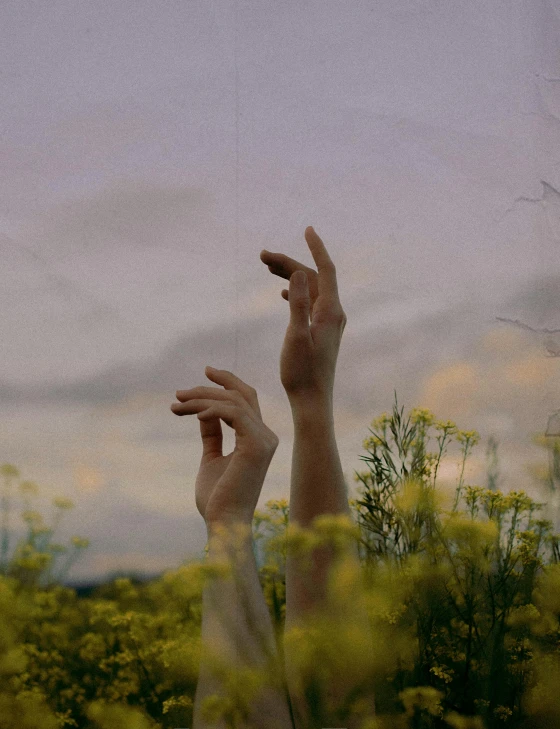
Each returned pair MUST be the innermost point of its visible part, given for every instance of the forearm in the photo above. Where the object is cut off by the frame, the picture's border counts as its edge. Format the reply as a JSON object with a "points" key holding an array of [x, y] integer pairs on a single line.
{"points": [[236, 625], [318, 487]]}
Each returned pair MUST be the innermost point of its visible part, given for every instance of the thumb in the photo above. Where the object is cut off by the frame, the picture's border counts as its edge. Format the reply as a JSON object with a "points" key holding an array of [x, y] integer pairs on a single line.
{"points": [[212, 437], [299, 300]]}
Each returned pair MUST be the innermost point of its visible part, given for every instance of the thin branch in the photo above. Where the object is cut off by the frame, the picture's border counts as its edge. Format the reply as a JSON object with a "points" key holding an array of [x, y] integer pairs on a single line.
{"points": [[526, 326]]}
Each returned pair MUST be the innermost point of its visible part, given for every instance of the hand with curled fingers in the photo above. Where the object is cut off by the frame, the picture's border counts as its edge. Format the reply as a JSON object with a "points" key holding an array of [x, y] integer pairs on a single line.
{"points": [[228, 486], [317, 321]]}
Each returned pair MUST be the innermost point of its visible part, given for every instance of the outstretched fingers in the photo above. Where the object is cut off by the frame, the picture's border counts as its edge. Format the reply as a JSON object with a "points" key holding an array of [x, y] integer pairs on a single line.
{"points": [[284, 266], [233, 384], [322, 282], [210, 414], [206, 409], [234, 390], [255, 438], [326, 278]]}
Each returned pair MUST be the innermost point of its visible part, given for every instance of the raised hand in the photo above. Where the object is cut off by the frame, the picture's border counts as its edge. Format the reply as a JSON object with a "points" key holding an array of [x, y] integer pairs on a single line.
{"points": [[317, 321], [228, 487], [307, 371]]}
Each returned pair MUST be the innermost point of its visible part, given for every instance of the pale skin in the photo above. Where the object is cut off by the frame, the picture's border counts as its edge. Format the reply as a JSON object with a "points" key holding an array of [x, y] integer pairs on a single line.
{"points": [[236, 623], [228, 487], [307, 371]]}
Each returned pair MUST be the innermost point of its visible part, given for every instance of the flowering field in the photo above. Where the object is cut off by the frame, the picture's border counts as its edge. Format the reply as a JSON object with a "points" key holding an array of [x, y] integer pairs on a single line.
{"points": [[463, 595]]}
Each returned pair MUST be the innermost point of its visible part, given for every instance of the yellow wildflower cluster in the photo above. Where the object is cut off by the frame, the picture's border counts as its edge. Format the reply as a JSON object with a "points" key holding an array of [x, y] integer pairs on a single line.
{"points": [[463, 605]]}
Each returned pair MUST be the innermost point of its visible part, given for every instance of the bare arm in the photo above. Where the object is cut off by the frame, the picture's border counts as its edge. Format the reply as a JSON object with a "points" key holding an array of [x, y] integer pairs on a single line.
{"points": [[236, 626], [307, 366], [236, 623]]}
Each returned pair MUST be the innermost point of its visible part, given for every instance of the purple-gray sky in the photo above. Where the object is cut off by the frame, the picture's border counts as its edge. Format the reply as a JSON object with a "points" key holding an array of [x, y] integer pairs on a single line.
{"points": [[420, 138]]}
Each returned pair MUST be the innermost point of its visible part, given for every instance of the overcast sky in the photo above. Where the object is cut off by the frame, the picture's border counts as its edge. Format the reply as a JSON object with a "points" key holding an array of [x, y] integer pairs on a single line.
{"points": [[150, 151]]}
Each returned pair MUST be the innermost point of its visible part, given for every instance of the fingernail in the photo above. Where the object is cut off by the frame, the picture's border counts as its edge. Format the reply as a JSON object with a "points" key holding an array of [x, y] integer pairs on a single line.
{"points": [[300, 277]]}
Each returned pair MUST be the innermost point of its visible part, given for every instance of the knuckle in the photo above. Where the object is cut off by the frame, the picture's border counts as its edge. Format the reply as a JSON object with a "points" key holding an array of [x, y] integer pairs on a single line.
{"points": [[333, 317], [301, 302], [273, 437], [338, 314], [270, 443], [237, 398]]}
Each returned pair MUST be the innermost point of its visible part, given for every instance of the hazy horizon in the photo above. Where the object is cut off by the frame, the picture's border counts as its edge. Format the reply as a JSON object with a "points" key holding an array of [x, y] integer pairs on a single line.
{"points": [[419, 139]]}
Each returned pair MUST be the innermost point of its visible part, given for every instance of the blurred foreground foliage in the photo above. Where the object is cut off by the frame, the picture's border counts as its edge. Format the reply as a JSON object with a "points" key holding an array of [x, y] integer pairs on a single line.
{"points": [[462, 588]]}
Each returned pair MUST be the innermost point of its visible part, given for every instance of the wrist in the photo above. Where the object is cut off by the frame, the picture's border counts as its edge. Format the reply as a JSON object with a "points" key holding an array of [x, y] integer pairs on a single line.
{"points": [[230, 528], [312, 411], [232, 541]]}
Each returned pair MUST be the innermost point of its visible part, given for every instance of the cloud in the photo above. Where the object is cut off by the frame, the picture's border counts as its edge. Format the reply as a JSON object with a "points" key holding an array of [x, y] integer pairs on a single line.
{"points": [[536, 302], [456, 359], [549, 202], [20, 258], [136, 464], [180, 362], [480, 157], [453, 388], [506, 388], [503, 341], [88, 478], [128, 213], [374, 359], [530, 372], [264, 300], [116, 523]]}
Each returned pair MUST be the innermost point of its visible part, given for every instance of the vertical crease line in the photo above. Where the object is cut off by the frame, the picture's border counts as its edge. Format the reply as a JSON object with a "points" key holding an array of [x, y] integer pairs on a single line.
{"points": [[235, 42]]}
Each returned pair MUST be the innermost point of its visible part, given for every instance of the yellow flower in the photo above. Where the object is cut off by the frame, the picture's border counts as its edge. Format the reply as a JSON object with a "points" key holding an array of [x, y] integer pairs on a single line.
{"points": [[177, 702], [421, 416], [28, 488], [447, 426], [469, 437], [9, 471], [63, 503], [440, 672], [32, 517]]}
